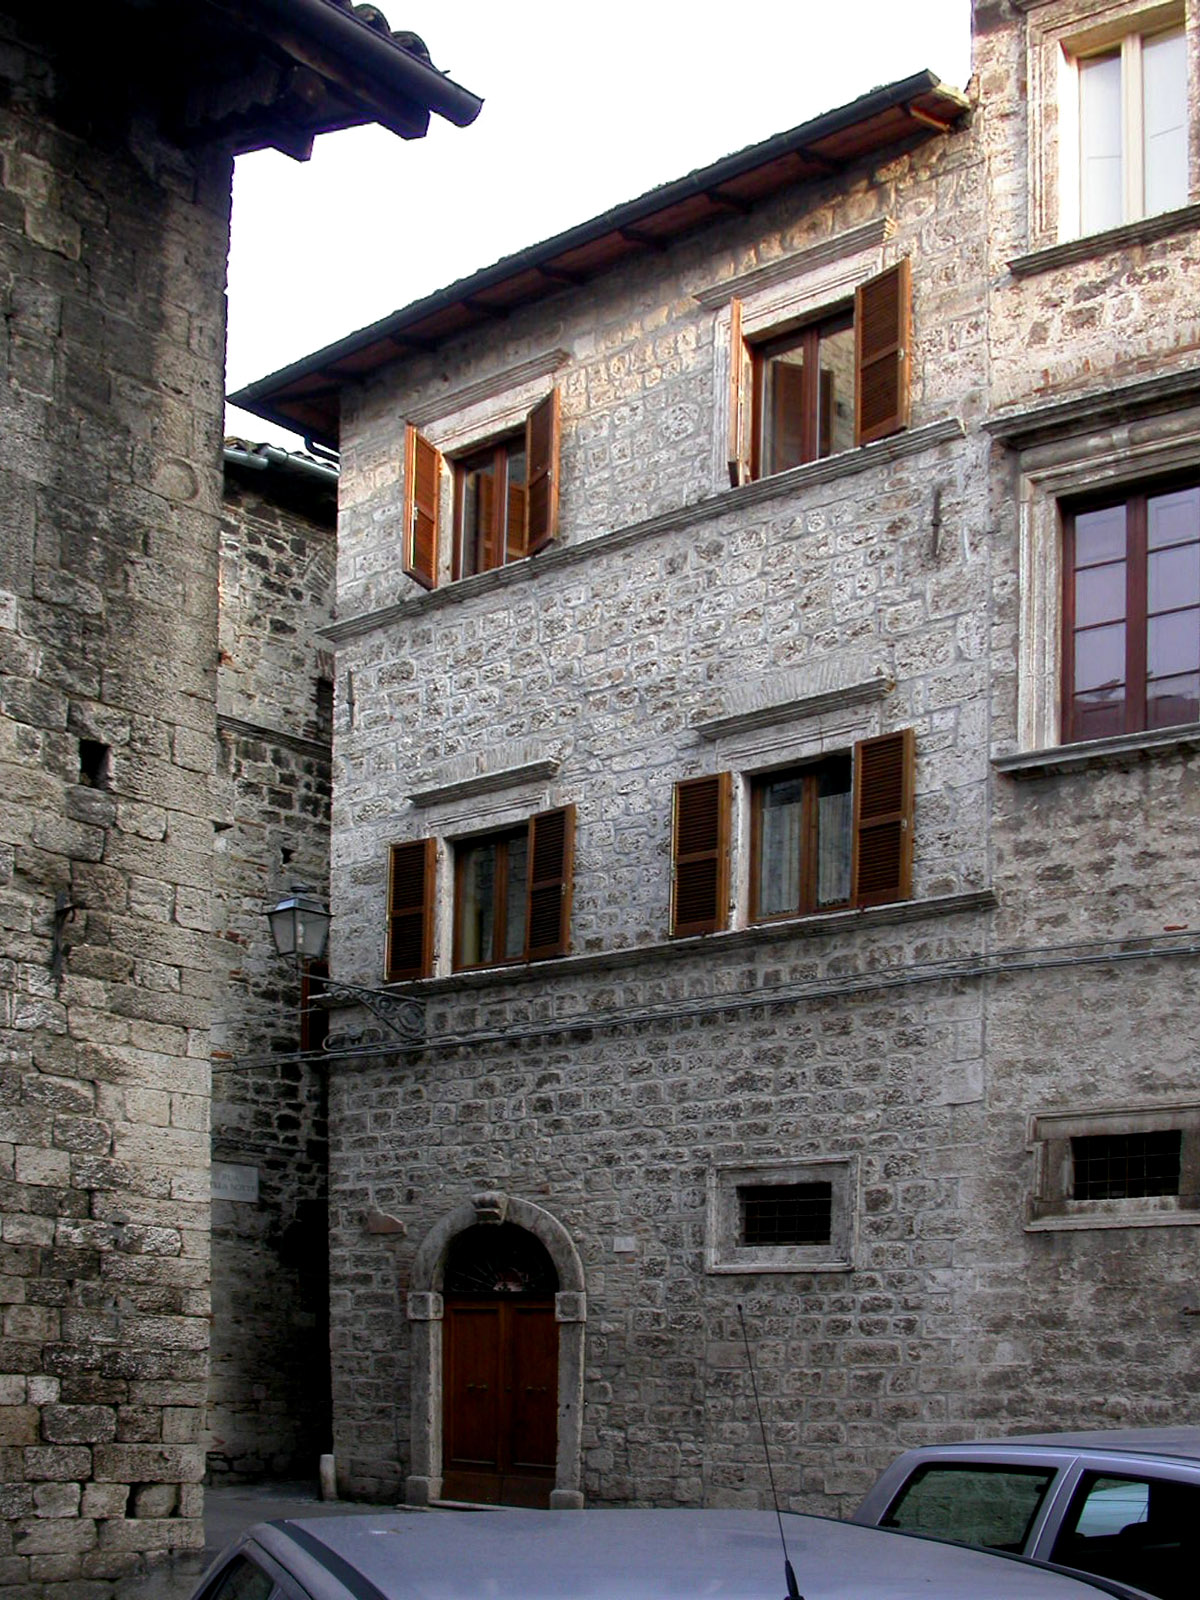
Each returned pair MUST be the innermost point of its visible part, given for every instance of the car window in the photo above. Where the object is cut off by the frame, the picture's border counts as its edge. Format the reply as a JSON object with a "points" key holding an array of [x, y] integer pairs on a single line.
{"points": [[1143, 1531], [991, 1506], [243, 1580]]}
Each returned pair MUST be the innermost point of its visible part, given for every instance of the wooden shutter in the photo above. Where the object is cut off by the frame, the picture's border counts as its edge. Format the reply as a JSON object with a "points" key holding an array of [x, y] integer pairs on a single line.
{"points": [[700, 856], [739, 408], [542, 431], [551, 869], [411, 877], [882, 341], [422, 485], [884, 774]]}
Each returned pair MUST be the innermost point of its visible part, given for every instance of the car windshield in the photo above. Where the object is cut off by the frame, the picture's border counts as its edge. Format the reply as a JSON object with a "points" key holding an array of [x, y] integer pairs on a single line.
{"points": [[991, 1506]]}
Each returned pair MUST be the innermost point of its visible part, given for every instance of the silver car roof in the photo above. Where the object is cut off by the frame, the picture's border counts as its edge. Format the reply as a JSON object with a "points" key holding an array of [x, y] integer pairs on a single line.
{"points": [[651, 1555], [1182, 1443]]}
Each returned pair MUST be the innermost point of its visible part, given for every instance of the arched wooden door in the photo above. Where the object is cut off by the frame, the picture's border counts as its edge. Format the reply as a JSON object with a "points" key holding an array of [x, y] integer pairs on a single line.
{"points": [[500, 1368]]}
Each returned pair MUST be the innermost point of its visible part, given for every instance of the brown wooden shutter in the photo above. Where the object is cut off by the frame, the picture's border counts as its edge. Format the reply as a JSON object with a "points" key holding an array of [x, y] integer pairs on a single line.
{"points": [[882, 344], [700, 856], [542, 433], [422, 484], [551, 870], [884, 779], [739, 408], [411, 878]]}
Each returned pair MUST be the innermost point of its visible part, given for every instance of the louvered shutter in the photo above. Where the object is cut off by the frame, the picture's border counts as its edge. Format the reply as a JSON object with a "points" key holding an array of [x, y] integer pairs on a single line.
{"points": [[542, 430], [884, 773], [739, 419], [551, 869], [700, 856], [422, 483], [410, 910], [882, 343]]}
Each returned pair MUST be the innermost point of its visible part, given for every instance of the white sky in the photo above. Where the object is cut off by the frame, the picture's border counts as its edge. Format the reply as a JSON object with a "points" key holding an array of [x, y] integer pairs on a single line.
{"points": [[585, 106]]}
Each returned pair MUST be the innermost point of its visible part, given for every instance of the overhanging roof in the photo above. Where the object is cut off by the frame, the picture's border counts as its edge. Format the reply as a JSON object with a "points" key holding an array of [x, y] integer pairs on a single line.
{"points": [[306, 395]]}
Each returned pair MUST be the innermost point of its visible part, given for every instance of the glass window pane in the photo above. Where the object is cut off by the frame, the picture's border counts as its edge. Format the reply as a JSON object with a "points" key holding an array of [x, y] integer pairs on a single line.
{"points": [[1164, 113], [1172, 644], [514, 525], [478, 498], [1100, 659], [518, 866], [1141, 1531], [1101, 170], [991, 1506], [835, 833], [242, 1580], [1172, 578], [835, 399], [780, 819], [1173, 700], [783, 411], [1172, 518], [1100, 594], [476, 905], [1100, 536]]}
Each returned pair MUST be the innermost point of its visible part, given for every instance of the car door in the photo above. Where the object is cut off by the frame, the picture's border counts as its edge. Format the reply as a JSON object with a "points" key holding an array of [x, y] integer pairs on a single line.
{"points": [[1138, 1523], [998, 1501]]}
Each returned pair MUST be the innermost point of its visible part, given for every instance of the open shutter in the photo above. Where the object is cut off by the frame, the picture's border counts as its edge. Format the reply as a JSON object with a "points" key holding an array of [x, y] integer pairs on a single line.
{"points": [[884, 774], [422, 482], [739, 399], [551, 870], [700, 856], [411, 878], [542, 429], [882, 341]]}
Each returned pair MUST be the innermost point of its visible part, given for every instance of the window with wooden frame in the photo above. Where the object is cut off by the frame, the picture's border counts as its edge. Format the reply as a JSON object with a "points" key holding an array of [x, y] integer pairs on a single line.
{"points": [[823, 386], [505, 497], [834, 833], [1116, 1168], [1131, 612], [512, 892]]}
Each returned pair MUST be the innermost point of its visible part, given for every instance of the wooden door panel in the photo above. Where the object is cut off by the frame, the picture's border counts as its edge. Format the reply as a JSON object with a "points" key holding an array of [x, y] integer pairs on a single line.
{"points": [[533, 1375], [473, 1400]]}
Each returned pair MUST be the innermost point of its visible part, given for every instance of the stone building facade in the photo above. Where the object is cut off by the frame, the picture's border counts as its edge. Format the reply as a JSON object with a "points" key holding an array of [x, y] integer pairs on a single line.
{"points": [[268, 1401], [117, 133], [797, 934]]}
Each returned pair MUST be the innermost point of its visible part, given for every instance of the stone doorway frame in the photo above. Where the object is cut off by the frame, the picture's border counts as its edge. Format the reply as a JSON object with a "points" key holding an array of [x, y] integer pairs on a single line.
{"points": [[425, 1311]]}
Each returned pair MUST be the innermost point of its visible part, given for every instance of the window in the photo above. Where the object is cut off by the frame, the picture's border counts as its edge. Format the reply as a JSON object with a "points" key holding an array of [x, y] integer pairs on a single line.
{"points": [[823, 386], [802, 840], [505, 498], [781, 1217], [1141, 1531], [1120, 1166], [1131, 613], [1132, 129], [512, 892], [489, 507], [1116, 1168], [991, 1506]]}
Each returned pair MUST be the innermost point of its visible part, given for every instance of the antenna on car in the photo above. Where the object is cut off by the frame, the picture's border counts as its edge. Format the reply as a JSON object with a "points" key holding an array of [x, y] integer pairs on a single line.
{"points": [[793, 1592]]}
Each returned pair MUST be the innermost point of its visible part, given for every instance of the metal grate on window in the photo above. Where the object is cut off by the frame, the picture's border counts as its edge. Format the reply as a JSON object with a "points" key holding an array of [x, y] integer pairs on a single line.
{"points": [[786, 1213], [1125, 1166]]}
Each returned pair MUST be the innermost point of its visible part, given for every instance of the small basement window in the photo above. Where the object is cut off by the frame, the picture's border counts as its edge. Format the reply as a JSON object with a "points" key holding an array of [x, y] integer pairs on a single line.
{"points": [[1116, 1169], [786, 1213], [782, 1217]]}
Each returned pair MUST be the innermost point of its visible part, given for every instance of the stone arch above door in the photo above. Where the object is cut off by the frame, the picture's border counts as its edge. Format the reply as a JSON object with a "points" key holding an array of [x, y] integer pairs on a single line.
{"points": [[425, 1311]]}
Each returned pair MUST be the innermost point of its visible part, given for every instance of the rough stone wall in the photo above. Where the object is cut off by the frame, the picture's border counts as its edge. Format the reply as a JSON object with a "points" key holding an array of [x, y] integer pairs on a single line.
{"points": [[112, 266], [269, 1387]]}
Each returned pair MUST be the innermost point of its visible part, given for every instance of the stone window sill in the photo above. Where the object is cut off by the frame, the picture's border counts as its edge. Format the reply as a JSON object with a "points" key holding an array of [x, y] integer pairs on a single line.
{"points": [[1100, 244], [1114, 751]]}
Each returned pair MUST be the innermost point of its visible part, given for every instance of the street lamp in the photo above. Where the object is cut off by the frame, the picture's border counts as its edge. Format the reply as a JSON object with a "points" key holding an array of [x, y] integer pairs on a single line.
{"points": [[300, 929]]}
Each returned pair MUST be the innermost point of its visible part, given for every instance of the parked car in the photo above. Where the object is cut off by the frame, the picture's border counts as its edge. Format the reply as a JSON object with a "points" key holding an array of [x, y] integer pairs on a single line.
{"points": [[602, 1555], [1123, 1503]]}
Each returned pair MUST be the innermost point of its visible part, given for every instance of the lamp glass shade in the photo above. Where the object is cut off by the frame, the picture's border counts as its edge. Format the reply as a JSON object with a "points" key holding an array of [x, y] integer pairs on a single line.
{"points": [[300, 926]]}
